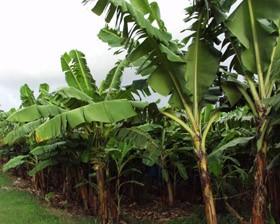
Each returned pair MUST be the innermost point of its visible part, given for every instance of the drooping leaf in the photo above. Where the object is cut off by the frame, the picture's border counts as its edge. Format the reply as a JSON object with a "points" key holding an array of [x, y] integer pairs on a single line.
{"points": [[69, 93], [34, 112], [230, 144], [21, 132], [112, 37], [106, 111], [41, 166], [137, 15], [42, 149], [14, 162]]}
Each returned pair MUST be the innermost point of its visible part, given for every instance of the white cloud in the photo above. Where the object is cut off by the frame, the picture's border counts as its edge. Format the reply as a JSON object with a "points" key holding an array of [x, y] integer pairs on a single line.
{"points": [[35, 33]]}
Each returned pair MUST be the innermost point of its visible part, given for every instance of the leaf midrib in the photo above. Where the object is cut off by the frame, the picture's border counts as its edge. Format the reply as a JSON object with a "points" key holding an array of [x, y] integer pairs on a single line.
{"points": [[82, 70], [256, 48]]}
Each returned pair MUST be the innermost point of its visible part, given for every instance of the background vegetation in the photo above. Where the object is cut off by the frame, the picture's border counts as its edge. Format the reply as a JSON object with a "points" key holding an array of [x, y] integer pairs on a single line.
{"points": [[214, 143]]}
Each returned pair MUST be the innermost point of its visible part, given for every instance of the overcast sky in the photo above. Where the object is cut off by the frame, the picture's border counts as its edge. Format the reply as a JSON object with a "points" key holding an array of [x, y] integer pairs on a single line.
{"points": [[35, 33]]}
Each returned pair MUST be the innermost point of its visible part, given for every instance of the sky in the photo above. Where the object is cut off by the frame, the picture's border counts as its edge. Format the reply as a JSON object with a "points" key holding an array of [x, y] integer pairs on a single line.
{"points": [[35, 33]]}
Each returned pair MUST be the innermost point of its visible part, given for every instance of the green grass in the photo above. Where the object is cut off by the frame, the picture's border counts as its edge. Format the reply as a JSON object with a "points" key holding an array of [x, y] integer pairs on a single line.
{"points": [[4, 180], [17, 207]]}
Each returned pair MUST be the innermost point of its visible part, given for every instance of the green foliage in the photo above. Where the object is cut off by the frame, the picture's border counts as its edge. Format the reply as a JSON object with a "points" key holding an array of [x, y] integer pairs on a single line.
{"points": [[77, 73], [257, 32], [67, 94], [43, 149], [201, 68], [34, 112], [113, 79], [21, 132], [107, 111], [41, 165], [27, 96], [15, 162], [111, 36], [87, 128]]}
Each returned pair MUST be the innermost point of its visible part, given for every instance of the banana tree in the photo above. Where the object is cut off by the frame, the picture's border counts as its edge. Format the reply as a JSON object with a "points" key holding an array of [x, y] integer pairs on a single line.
{"points": [[252, 46], [22, 138], [87, 109], [5, 127], [183, 76]]}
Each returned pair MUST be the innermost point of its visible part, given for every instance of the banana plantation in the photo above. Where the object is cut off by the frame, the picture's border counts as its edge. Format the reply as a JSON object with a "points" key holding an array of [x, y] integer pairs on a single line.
{"points": [[208, 147]]}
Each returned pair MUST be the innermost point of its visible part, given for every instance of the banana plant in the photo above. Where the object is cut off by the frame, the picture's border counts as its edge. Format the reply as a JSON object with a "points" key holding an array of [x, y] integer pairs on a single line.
{"points": [[30, 115], [252, 42], [183, 76], [33, 111], [121, 154], [84, 107], [5, 128]]}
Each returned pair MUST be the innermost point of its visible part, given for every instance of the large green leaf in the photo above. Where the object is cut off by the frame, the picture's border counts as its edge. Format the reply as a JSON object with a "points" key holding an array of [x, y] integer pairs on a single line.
{"points": [[136, 14], [232, 92], [34, 112], [275, 63], [77, 73], [70, 93], [42, 149], [21, 132], [254, 24], [41, 166], [107, 112], [151, 9], [160, 81], [139, 137], [230, 144], [15, 162], [201, 70], [112, 37], [152, 51]]}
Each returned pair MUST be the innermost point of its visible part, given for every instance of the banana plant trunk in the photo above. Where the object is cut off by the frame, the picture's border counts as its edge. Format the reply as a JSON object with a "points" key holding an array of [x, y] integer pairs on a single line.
{"points": [[170, 193], [210, 210], [260, 191], [103, 210]]}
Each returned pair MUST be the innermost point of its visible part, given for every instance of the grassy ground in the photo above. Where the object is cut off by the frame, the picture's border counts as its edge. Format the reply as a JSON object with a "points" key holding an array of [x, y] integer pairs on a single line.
{"points": [[17, 207]]}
